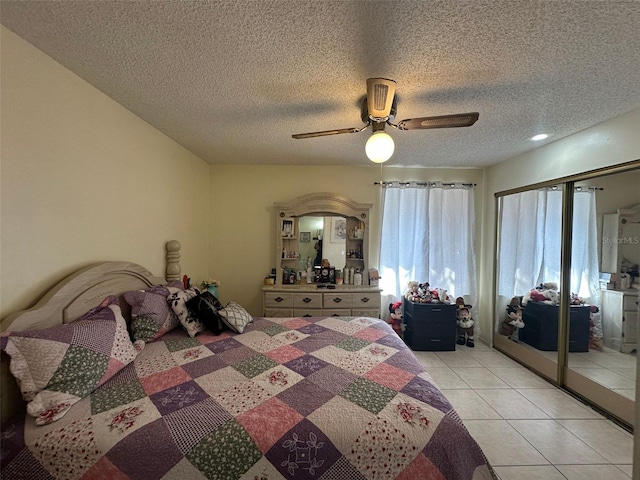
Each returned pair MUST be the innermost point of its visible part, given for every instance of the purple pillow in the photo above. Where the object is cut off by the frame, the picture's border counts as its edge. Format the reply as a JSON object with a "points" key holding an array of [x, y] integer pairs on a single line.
{"points": [[57, 367], [151, 316]]}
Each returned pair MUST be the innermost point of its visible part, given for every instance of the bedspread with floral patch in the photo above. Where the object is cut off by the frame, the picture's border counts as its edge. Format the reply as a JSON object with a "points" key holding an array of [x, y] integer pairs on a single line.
{"points": [[290, 398]]}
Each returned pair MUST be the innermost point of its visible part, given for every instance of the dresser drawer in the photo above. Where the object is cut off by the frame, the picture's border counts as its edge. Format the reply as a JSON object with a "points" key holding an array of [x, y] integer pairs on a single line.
{"points": [[337, 300], [307, 300], [336, 312], [366, 300], [278, 299], [365, 312], [630, 302], [278, 312], [308, 312]]}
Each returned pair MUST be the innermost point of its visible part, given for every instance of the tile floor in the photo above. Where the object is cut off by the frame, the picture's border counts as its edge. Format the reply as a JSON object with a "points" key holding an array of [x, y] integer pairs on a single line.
{"points": [[528, 428]]}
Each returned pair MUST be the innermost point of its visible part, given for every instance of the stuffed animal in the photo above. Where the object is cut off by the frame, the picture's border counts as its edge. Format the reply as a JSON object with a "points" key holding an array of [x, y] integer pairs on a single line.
{"points": [[440, 295], [545, 292], [464, 323], [412, 291], [513, 320], [424, 292], [595, 334], [395, 319]]}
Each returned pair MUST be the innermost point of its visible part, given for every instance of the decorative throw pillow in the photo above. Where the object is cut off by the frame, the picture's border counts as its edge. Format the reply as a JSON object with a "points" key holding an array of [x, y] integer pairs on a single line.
{"points": [[178, 303], [151, 317], [235, 317], [57, 367], [205, 307]]}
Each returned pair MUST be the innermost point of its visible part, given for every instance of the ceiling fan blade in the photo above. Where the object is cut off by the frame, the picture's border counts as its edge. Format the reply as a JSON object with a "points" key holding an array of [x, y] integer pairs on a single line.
{"points": [[328, 132], [380, 93], [442, 121]]}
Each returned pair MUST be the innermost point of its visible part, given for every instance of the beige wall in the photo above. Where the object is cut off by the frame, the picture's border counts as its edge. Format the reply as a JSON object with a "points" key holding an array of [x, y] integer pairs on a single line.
{"points": [[243, 231], [84, 180]]}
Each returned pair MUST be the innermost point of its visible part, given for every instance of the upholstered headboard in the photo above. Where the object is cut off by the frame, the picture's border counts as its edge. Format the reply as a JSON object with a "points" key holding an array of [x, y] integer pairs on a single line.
{"points": [[74, 296]]}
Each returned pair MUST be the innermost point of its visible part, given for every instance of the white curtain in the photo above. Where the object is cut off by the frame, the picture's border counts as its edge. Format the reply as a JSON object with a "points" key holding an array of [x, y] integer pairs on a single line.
{"points": [[530, 243], [428, 236], [585, 276]]}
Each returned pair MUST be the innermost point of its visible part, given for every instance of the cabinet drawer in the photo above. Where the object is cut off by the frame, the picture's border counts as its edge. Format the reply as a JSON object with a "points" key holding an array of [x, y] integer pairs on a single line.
{"points": [[366, 300], [336, 312], [630, 302], [278, 312], [337, 300], [278, 299], [365, 312], [307, 300], [307, 312]]}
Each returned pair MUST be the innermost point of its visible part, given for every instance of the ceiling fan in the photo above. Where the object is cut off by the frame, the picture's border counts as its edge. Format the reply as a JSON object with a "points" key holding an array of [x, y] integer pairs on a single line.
{"points": [[379, 108]]}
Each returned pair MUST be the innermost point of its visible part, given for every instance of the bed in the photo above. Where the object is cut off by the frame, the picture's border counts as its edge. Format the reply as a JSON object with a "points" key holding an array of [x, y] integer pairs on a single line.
{"points": [[288, 398]]}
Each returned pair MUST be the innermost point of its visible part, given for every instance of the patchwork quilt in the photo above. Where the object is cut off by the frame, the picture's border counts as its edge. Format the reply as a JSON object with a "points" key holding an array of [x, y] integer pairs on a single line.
{"points": [[290, 398]]}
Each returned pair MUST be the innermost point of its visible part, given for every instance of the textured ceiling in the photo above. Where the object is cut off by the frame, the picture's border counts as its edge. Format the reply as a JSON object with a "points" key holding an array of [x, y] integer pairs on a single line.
{"points": [[232, 80]]}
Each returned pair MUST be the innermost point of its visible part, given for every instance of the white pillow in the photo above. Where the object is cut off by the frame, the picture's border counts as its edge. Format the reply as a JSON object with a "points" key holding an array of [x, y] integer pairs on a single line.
{"points": [[190, 322], [235, 317]]}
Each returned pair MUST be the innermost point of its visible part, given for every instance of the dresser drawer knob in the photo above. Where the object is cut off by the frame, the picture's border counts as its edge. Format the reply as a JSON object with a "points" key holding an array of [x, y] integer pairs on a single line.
{"points": [[306, 299], [337, 300], [279, 299], [364, 300]]}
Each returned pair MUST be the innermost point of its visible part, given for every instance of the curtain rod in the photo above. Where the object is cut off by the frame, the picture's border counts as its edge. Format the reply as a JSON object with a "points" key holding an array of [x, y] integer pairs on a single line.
{"points": [[577, 188], [423, 184]]}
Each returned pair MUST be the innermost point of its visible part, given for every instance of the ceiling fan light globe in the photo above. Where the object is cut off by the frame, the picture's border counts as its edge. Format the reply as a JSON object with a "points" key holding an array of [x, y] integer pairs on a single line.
{"points": [[379, 147]]}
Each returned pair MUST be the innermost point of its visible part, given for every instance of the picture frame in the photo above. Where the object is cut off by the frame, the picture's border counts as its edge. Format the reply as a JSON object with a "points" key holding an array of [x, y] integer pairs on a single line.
{"points": [[338, 229], [305, 236], [287, 228]]}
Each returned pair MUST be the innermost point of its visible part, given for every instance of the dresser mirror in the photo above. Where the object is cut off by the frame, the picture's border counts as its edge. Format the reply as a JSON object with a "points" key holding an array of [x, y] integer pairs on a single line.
{"points": [[581, 239], [322, 237]]}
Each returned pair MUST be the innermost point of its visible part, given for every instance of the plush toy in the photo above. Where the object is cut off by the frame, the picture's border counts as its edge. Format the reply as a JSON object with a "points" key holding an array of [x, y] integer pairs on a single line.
{"points": [[464, 322], [412, 291], [513, 320], [424, 292], [595, 333], [545, 292], [439, 295], [395, 319]]}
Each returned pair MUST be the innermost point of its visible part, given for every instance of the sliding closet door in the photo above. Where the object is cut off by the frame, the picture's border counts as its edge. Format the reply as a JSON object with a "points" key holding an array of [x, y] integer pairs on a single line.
{"points": [[604, 286], [529, 232]]}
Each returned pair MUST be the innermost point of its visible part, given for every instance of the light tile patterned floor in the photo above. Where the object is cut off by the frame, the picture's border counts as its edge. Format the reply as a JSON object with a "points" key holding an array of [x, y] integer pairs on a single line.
{"points": [[528, 428]]}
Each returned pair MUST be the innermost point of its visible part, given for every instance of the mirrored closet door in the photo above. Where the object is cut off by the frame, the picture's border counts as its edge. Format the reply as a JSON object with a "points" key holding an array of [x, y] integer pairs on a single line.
{"points": [[604, 287], [528, 274], [567, 284]]}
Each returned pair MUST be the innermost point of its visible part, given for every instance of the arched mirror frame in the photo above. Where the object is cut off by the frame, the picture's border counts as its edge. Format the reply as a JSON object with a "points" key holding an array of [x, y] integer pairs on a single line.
{"points": [[328, 205], [559, 372]]}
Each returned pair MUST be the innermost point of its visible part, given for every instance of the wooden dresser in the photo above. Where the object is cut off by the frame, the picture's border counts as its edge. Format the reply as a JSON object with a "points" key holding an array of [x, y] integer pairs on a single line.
{"points": [[310, 301], [620, 319]]}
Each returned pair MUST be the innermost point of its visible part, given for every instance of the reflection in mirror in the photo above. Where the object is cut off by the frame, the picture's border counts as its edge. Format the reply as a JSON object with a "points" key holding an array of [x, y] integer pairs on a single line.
{"points": [[528, 269], [604, 275], [323, 242]]}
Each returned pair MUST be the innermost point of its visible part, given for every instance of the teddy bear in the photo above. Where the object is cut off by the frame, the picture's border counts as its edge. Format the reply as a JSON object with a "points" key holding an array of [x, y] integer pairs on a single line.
{"points": [[464, 323], [395, 319], [513, 320], [412, 293]]}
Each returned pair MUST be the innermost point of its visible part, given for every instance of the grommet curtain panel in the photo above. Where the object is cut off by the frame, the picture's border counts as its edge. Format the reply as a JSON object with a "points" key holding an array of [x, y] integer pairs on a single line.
{"points": [[428, 236]]}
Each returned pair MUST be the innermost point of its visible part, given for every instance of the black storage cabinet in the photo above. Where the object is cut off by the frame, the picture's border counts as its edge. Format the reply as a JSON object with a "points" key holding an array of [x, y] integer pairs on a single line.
{"points": [[429, 326], [541, 327]]}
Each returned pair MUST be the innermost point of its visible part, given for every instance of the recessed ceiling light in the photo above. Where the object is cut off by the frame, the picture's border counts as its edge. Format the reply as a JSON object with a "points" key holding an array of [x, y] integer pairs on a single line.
{"points": [[540, 136]]}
